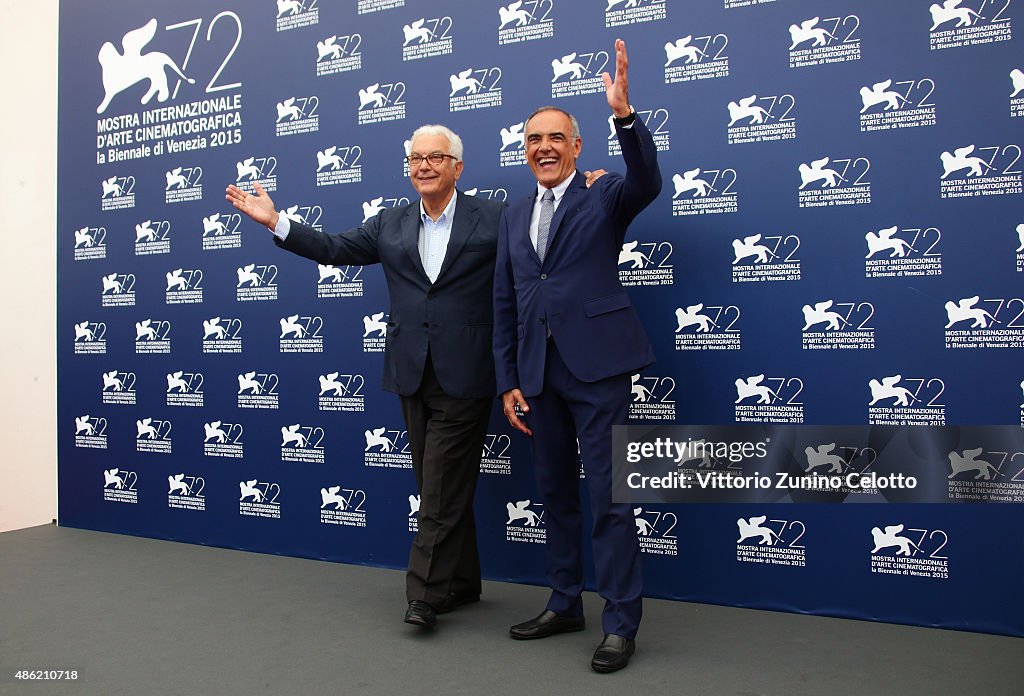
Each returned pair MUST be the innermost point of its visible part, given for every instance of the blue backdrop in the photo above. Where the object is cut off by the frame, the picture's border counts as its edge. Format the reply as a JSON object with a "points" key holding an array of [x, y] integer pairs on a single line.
{"points": [[839, 242]]}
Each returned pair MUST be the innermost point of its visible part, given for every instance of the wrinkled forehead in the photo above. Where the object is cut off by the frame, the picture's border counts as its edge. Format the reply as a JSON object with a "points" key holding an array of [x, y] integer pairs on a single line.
{"points": [[427, 143], [549, 122]]}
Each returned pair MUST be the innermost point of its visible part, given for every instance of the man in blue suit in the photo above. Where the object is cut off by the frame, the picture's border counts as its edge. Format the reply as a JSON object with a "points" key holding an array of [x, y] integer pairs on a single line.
{"points": [[566, 340], [438, 260]]}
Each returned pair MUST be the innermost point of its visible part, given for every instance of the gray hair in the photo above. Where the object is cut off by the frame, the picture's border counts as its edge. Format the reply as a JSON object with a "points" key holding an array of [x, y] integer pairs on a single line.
{"points": [[454, 141], [572, 119]]}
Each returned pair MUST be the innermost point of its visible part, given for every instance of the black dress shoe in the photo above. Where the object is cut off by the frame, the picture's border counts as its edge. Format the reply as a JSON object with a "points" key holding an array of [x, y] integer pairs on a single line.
{"points": [[454, 601], [548, 623], [613, 653], [420, 613]]}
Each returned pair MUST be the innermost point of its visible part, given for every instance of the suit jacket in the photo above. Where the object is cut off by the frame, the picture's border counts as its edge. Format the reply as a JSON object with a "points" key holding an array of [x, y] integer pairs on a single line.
{"points": [[452, 318], [575, 293]]}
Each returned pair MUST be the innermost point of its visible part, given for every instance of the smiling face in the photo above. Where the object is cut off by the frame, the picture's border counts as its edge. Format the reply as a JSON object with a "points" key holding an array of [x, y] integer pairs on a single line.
{"points": [[434, 182], [551, 149]]}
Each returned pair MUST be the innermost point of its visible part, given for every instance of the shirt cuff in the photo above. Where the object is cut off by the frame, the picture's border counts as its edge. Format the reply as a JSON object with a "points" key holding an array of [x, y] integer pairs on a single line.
{"points": [[284, 226]]}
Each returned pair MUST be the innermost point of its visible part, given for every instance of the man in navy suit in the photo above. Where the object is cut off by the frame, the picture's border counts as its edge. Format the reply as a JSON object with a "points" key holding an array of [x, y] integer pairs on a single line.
{"points": [[566, 340], [438, 260]]}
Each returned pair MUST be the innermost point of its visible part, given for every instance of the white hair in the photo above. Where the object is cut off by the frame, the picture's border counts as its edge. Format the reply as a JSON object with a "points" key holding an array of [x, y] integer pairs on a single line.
{"points": [[454, 141]]}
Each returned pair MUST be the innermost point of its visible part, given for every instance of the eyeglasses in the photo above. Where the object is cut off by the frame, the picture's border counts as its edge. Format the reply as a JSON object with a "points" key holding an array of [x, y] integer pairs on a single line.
{"points": [[435, 159]]}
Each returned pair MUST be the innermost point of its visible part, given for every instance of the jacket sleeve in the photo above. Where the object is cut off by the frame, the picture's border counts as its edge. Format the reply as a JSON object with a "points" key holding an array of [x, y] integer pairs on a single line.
{"points": [[506, 316], [625, 198], [354, 247]]}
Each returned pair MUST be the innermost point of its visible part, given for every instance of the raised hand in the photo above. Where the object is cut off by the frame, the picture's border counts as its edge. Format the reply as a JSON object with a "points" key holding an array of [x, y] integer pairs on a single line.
{"points": [[618, 90], [258, 206]]}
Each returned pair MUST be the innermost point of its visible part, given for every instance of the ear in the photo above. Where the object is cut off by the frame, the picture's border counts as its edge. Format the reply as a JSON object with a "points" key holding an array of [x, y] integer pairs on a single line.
{"points": [[458, 170]]}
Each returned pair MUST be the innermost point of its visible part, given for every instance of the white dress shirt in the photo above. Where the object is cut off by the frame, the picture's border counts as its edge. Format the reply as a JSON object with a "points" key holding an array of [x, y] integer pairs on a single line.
{"points": [[559, 191]]}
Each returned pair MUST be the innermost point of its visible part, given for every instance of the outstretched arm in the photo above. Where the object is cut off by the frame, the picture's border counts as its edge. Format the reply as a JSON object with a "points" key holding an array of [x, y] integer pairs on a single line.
{"points": [[357, 247]]}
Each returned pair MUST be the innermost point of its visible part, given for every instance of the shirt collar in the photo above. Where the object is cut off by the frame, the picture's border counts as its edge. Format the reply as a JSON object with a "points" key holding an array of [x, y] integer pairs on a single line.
{"points": [[558, 190], [446, 215]]}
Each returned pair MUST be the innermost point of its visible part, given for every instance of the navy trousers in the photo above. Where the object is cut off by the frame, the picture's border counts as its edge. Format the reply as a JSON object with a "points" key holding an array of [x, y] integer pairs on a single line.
{"points": [[565, 410]]}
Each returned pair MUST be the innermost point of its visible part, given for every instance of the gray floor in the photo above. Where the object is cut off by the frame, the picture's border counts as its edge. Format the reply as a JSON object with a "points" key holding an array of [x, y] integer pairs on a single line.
{"points": [[138, 616]]}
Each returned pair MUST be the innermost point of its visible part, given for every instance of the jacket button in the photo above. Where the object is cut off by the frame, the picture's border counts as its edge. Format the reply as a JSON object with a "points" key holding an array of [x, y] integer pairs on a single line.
{"points": [[426, 325], [543, 276], [541, 320]]}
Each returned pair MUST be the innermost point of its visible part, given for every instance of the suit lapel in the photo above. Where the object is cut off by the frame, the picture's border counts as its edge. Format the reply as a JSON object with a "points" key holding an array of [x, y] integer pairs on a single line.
{"points": [[411, 237], [572, 198], [528, 212], [466, 218]]}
